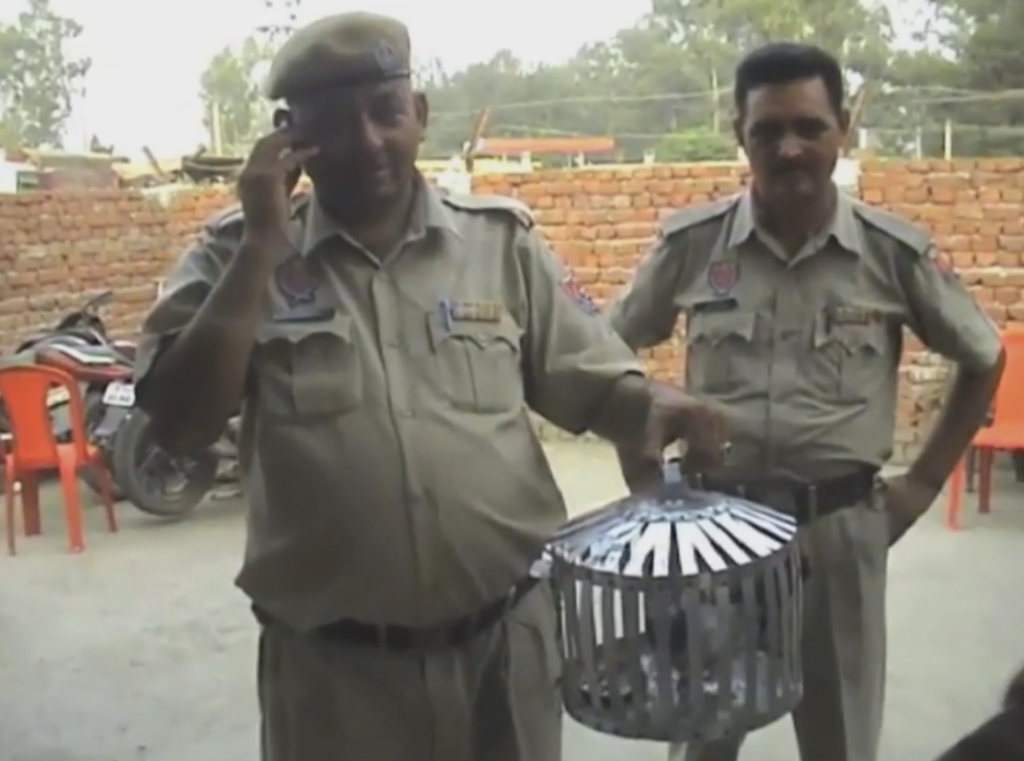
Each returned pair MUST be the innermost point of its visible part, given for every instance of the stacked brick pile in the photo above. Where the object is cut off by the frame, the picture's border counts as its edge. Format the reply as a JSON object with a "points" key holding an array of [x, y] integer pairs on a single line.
{"points": [[55, 247], [975, 211], [58, 248]]}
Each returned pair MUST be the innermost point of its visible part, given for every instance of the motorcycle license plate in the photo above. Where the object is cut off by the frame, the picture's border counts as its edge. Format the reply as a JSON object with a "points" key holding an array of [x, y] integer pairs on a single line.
{"points": [[57, 395], [119, 395]]}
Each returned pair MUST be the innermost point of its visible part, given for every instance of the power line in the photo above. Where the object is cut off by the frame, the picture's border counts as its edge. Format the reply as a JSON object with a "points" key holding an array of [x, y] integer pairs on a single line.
{"points": [[956, 127], [948, 96]]}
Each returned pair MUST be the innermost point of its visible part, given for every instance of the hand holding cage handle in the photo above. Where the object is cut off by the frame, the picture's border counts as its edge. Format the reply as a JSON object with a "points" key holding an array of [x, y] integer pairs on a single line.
{"points": [[674, 474]]}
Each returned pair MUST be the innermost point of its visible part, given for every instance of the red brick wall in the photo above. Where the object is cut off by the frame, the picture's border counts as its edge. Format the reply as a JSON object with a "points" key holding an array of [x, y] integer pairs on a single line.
{"points": [[55, 247], [58, 248], [601, 221]]}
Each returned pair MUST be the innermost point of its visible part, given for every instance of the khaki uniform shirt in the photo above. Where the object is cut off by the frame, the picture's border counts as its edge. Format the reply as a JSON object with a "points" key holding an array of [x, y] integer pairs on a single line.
{"points": [[391, 469], [803, 352]]}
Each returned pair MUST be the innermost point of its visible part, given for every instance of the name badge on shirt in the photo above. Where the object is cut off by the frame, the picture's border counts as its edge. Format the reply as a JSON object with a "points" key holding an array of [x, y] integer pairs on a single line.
{"points": [[850, 315], [306, 313], [714, 306], [471, 311]]}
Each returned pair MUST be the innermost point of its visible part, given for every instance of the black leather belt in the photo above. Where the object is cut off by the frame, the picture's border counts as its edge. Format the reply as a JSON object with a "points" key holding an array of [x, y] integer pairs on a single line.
{"points": [[451, 634], [809, 500]]}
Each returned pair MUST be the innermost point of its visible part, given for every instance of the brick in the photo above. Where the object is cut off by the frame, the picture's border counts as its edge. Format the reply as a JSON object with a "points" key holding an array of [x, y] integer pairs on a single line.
{"points": [[973, 209], [55, 247]]}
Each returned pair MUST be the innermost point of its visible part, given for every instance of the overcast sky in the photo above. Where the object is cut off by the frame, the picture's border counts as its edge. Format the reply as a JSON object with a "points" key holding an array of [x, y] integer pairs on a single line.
{"points": [[148, 56]]}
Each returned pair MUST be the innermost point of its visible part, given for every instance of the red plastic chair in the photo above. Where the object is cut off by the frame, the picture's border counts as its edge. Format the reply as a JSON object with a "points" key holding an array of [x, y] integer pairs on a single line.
{"points": [[33, 448], [1005, 433]]}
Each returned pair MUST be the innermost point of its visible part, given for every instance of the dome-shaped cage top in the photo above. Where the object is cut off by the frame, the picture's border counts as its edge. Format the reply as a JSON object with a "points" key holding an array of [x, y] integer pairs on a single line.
{"points": [[674, 533], [679, 615]]}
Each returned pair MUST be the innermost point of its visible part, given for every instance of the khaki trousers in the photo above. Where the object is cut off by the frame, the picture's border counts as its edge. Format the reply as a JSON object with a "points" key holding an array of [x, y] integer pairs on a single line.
{"points": [[840, 717], [494, 700]]}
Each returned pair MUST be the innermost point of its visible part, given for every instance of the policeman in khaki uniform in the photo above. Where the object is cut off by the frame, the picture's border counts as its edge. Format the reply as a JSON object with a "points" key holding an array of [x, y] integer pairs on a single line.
{"points": [[385, 340], [795, 297]]}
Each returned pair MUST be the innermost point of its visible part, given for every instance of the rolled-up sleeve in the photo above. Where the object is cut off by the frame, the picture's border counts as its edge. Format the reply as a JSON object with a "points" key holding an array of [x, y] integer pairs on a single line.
{"points": [[572, 355], [944, 315], [645, 313], [184, 290]]}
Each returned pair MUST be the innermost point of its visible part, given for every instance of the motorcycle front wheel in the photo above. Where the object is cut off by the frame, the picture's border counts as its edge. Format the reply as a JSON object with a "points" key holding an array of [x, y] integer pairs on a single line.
{"points": [[153, 480]]}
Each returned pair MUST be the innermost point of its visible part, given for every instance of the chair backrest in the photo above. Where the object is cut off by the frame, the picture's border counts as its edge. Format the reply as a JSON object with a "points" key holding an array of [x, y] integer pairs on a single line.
{"points": [[24, 390], [1009, 401]]}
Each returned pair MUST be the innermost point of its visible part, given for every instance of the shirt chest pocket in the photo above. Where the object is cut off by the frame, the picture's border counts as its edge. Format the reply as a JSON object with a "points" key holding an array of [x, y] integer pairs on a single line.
{"points": [[848, 359], [719, 351], [307, 370], [478, 364]]}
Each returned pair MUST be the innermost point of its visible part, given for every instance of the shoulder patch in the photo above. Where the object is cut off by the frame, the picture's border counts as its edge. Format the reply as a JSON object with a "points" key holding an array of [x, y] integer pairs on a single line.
{"points": [[684, 219], [912, 237], [485, 203]]}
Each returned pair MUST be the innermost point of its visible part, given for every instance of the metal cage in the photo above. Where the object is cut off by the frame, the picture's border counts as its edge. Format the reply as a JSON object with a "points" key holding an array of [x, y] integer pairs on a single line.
{"points": [[680, 616]]}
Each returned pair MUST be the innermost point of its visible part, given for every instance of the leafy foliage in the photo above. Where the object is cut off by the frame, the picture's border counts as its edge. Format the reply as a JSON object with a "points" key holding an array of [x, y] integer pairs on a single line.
{"points": [[39, 79], [230, 91], [665, 84]]}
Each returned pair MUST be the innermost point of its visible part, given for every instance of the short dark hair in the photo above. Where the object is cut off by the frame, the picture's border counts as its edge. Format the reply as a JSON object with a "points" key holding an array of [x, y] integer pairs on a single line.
{"points": [[780, 63]]}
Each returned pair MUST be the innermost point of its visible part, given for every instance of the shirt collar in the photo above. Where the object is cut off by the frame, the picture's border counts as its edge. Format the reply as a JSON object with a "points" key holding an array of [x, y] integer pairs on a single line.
{"points": [[429, 213], [843, 227]]}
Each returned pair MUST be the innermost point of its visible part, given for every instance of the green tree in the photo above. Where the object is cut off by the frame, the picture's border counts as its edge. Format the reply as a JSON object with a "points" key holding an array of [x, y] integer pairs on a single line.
{"points": [[665, 84], [39, 79], [231, 92], [670, 74], [696, 145], [985, 37], [860, 33]]}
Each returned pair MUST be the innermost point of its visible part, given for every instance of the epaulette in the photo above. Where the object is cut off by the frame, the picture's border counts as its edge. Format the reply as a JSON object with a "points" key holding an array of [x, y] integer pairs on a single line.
{"points": [[484, 203], [692, 216], [911, 237], [232, 217], [226, 218]]}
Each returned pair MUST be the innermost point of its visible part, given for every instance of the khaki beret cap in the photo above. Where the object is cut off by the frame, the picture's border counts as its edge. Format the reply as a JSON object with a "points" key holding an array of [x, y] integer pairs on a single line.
{"points": [[344, 49]]}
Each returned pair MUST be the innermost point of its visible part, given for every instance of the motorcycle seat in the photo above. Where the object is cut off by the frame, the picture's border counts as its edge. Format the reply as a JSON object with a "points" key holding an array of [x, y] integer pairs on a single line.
{"points": [[88, 364]]}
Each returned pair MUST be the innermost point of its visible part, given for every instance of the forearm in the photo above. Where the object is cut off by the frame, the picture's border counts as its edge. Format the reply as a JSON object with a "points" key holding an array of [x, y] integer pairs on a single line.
{"points": [[624, 410], [198, 382], [623, 421], [965, 409]]}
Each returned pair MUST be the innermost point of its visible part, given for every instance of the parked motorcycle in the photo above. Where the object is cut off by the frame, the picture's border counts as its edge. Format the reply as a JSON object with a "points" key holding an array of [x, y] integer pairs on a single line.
{"points": [[150, 477], [142, 473], [100, 370], [81, 331]]}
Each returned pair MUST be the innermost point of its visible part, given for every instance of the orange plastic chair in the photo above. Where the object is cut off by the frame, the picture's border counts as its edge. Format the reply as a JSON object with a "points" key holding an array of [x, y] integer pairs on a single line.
{"points": [[1005, 433], [33, 449]]}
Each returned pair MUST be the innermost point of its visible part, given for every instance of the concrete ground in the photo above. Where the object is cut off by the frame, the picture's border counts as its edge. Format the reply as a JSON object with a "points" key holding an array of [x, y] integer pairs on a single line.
{"points": [[142, 650]]}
